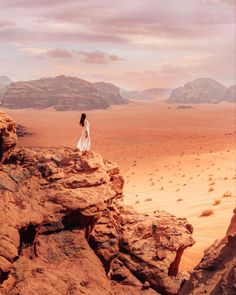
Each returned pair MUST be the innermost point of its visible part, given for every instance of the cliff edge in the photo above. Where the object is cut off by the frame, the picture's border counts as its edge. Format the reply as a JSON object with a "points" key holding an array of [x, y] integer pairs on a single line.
{"points": [[64, 229]]}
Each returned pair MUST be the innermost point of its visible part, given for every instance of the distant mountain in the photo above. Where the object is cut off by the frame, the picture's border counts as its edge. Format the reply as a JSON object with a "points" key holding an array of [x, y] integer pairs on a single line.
{"points": [[157, 92], [109, 92], [3, 89], [147, 94], [230, 94], [134, 95], [61, 92], [4, 80], [203, 90]]}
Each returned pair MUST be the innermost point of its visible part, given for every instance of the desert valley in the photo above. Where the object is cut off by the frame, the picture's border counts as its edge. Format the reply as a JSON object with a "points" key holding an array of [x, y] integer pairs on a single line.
{"points": [[176, 154], [181, 159]]}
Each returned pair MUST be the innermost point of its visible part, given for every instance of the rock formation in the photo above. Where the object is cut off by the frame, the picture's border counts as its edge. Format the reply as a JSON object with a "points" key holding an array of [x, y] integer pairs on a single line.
{"points": [[203, 90], [230, 94], [8, 137], [64, 230], [61, 93], [109, 92], [216, 273], [2, 90]]}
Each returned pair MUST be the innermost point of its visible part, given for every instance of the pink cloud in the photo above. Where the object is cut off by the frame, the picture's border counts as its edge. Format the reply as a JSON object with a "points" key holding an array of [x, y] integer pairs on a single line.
{"points": [[98, 57], [115, 57], [59, 53], [6, 23]]}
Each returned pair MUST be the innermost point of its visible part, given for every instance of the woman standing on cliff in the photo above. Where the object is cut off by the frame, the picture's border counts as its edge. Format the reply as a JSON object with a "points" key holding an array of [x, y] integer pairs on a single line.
{"points": [[83, 144]]}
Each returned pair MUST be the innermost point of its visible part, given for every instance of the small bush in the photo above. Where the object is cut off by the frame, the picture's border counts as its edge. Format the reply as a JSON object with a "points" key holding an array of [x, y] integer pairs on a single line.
{"points": [[227, 195], [216, 202], [206, 213]]}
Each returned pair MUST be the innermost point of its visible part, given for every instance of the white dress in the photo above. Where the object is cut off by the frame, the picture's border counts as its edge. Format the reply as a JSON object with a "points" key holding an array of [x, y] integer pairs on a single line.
{"points": [[84, 142]]}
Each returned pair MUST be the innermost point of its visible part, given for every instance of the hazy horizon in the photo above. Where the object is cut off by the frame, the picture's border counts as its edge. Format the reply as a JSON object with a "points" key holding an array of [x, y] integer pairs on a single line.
{"points": [[135, 45]]}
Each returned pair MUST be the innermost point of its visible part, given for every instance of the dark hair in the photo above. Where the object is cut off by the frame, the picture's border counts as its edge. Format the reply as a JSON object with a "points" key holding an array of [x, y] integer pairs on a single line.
{"points": [[82, 119]]}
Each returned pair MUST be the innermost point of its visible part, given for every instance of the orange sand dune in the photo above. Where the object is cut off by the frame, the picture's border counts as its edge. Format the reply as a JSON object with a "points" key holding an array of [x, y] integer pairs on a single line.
{"points": [[179, 160]]}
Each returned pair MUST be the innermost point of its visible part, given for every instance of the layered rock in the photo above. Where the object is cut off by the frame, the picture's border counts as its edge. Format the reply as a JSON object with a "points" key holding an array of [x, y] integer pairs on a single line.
{"points": [[64, 230], [230, 94], [8, 137], [49, 203], [203, 90], [151, 247], [109, 92], [216, 273], [61, 93]]}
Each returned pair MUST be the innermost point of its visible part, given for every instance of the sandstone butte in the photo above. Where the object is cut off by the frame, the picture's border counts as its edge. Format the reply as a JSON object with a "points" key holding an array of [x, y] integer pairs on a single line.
{"points": [[64, 230]]}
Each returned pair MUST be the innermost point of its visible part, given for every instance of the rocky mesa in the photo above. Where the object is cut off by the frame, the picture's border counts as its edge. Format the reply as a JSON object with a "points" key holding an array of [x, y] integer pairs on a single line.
{"points": [[203, 90], [64, 228], [230, 94], [61, 93]]}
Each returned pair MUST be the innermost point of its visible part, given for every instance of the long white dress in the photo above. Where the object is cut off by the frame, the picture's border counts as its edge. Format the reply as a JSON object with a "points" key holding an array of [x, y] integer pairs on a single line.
{"points": [[84, 142]]}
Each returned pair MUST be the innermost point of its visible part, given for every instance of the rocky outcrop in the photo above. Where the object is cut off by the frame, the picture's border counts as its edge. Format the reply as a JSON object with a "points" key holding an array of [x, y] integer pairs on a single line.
{"points": [[230, 94], [109, 92], [203, 90], [64, 230], [8, 137], [150, 249], [216, 273], [61, 93], [57, 206]]}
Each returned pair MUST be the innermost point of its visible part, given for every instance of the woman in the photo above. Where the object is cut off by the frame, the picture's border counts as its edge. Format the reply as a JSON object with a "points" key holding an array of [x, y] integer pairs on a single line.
{"points": [[83, 144]]}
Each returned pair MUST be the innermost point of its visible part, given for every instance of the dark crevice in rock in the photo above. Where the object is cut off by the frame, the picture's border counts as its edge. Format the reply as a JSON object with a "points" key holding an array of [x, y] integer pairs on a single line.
{"points": [[94, 245], [76, 219], [174, 267], [3, 276], [50, 227], [27, 235]]}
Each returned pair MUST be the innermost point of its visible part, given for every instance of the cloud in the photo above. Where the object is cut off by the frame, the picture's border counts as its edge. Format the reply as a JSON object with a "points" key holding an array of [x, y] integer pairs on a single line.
{"points": [[40, 53], [213, 2], [161, 42], [6, 23], [59, 53], [87, 57], [98, 57]]}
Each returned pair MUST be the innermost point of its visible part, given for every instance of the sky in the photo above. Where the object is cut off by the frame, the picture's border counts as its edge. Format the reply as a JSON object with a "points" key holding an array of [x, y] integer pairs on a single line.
{"points": [[135, 44]]}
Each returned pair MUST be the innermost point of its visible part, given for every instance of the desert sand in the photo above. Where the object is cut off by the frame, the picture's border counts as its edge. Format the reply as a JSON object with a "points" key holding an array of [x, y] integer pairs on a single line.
{"points": [[179, 160]]}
